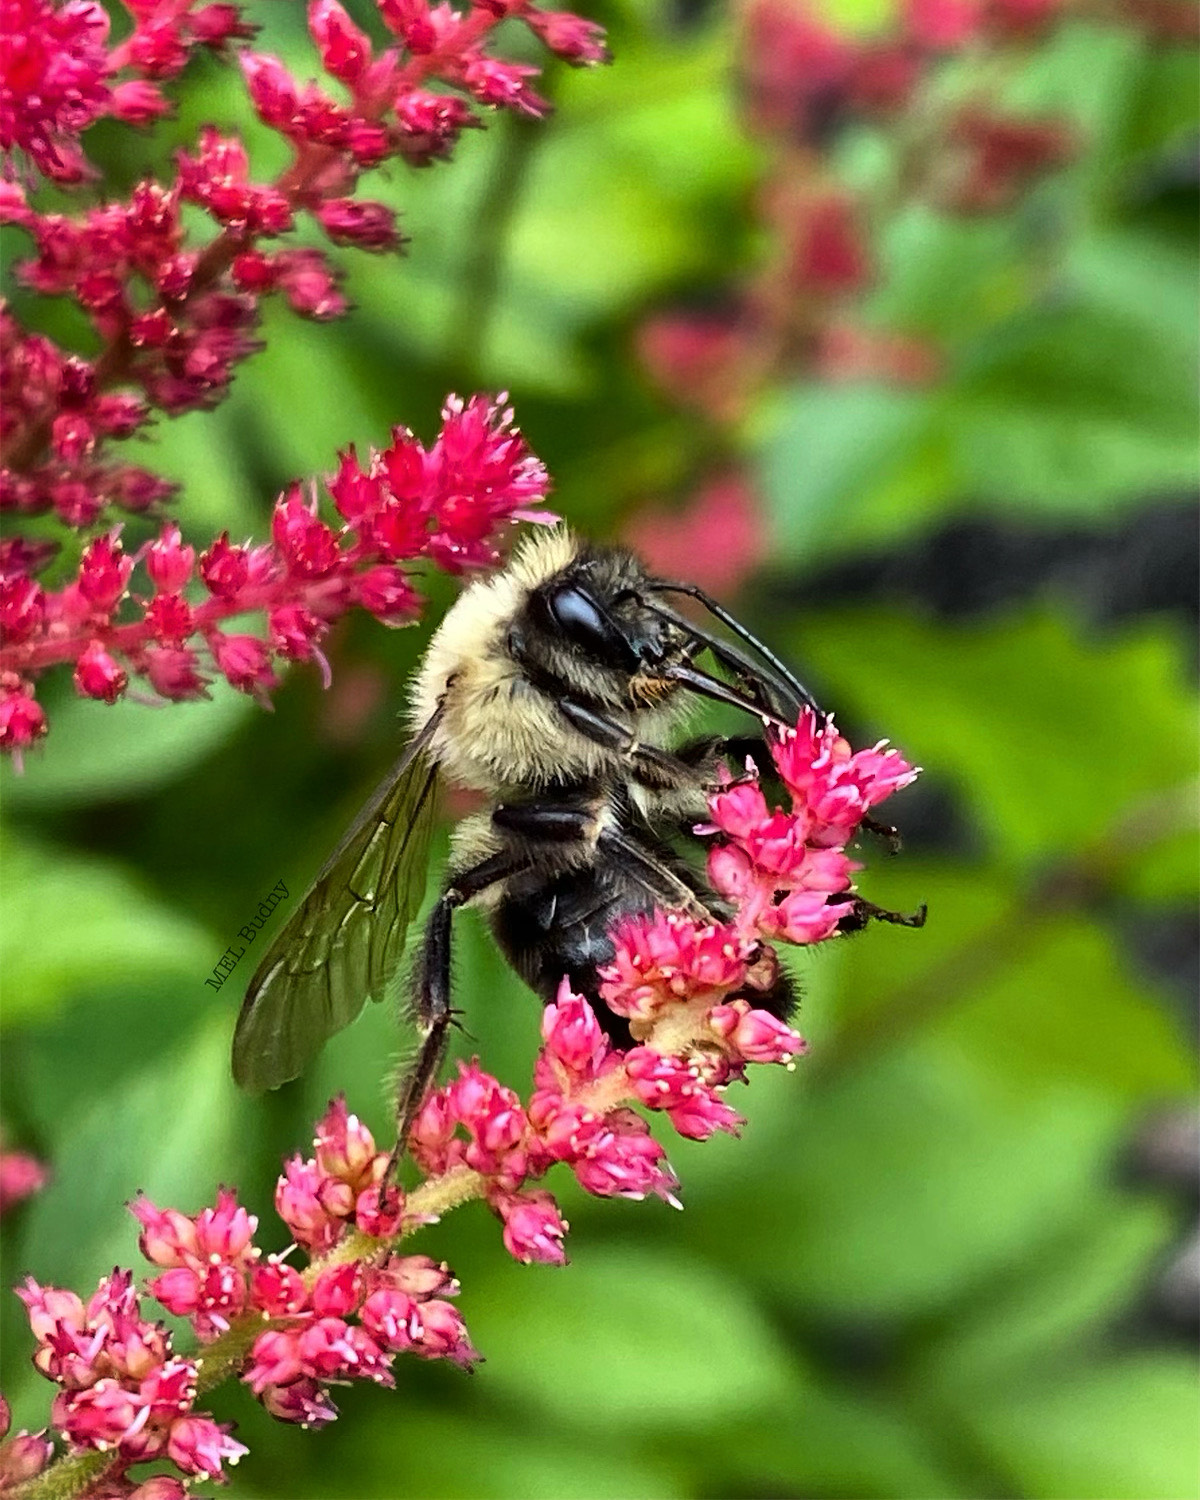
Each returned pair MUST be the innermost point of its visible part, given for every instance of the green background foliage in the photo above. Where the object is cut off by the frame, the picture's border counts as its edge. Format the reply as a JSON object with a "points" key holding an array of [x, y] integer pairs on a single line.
{"points": [[923, 1270]]}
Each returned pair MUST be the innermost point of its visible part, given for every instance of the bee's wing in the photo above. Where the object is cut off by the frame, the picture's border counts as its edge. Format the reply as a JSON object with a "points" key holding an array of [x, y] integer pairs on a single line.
{"points": [[345, 939]]}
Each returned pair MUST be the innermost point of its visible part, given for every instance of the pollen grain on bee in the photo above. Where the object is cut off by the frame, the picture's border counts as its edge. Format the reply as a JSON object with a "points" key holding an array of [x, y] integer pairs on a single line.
{"points": [[229, 960]]}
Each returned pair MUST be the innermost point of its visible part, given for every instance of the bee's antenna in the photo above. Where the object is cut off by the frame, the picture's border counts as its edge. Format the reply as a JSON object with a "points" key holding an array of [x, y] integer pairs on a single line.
{"points": [[694, 591]]}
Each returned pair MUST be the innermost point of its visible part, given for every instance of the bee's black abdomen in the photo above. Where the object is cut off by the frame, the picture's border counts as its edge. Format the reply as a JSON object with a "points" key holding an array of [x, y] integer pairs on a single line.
{"points": [[551, 928], [548, 929]]}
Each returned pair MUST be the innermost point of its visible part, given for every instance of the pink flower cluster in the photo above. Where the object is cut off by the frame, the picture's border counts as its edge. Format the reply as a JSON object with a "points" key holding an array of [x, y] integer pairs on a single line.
{"points": [[175, 312], [122, 1389], [781, 867], [171, 280], [445, 503], [58, 74], [805, 84], [688, 990]]}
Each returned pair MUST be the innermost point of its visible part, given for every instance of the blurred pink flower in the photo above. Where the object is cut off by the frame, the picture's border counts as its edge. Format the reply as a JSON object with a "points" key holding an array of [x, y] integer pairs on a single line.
{"points": [[717, 538]]}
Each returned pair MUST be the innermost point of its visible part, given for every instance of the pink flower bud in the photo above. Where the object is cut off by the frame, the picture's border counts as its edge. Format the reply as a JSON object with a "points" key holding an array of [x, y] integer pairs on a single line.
{"points": [[244, 660], [302, 1401], [272, 89], [572, 1035], [99, 675], [277, 1289], [411, 21], [274, 1360], [139, 102], [23, 1457], [224, 568], [168, 561], [22, 608], [352, 221], [309, 284], [308, 547], [345, 50], [172, 672], [444, 1335], [580, 42], [23, 720], [533, 1227], [755, 1035], [103, 573], [198, 1445]]}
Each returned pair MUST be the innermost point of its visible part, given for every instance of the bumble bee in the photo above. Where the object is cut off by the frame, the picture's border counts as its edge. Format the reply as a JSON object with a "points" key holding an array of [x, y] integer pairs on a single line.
{"points": [[555, 688]]}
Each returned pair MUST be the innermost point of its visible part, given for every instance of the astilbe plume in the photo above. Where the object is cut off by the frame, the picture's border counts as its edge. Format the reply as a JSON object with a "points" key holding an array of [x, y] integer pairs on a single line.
{"points": [[932, 89], [171, 280], [165, 623], [686, 988]]}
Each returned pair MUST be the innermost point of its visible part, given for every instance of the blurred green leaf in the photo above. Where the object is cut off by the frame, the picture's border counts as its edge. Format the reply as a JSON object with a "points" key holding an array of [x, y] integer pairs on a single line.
{"points": [[1057, 1300], [69, 922], [1124, 1429], [914, 1179], [1053, 740], [96, 752], [684, 1340], [1039, 997], [398, 1448], [828, 447]]}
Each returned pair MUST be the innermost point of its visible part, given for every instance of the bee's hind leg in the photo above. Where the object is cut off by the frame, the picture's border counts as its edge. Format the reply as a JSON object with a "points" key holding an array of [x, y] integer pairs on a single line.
{"points": [[431, 1000]]}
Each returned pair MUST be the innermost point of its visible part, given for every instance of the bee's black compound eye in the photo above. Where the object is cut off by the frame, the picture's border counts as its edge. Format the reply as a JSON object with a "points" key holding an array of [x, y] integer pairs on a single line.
{"points": [[577, 615]]}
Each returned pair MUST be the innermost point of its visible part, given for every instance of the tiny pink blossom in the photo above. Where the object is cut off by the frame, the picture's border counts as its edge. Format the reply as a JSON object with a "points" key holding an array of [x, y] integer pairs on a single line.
{"points": [[198, 1445], [755, 1035], [21, 1175], [533, 1226]]}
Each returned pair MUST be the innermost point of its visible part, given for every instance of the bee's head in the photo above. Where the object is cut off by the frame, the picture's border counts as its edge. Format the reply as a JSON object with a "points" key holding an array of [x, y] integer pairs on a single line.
{"points": [[593, 623], [591, 627]]}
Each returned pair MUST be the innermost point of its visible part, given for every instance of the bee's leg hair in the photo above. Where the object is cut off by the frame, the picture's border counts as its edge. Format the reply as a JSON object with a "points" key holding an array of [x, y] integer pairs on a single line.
{"points": [[655, 768], [648, 871], [867, 911], [884, 831], [432, 998]]}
